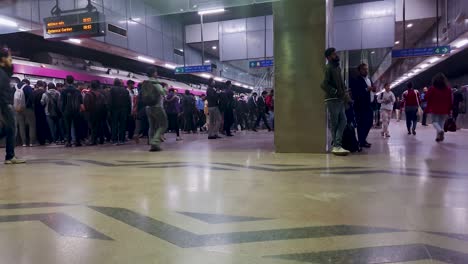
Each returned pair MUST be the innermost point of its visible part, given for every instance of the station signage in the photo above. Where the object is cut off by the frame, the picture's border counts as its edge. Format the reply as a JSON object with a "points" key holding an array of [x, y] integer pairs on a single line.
{"points": [[193, 69], [421, 52], [261, 64], [89, 24]]}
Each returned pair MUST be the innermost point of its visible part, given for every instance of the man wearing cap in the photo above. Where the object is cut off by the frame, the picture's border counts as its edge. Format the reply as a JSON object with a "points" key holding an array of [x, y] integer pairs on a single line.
{"points": [[7, 118]]}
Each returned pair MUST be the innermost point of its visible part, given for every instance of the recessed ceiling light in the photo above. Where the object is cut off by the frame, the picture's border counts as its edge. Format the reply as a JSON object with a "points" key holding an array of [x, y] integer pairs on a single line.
{"points": [[170, 66], [410, 25], [205, 75], [214, 47], [76, 41], [434, 59], [212, 11], [145, 59], [397, 42], [373, 52], [8, 22], [207, 61]]}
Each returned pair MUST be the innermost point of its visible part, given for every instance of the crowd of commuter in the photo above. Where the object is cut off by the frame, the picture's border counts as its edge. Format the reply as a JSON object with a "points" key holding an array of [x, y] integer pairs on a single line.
{"points": [[364, 106], [74, 114]]}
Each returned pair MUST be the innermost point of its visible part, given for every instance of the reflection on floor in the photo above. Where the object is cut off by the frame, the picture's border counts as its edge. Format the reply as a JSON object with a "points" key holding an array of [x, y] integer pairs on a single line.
{"points": [[236, 201]]}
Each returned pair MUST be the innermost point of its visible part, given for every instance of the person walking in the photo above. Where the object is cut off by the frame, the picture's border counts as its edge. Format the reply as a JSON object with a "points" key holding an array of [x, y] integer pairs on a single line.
{"points": [[120, 108], [412, 102], [7, 116], [424, 106], [172, 106], [72, 106], [387, 100], [262, 109], [439, 104], [362, 90], [152, 94], [214, 114], [336, 97], [50, 101]]}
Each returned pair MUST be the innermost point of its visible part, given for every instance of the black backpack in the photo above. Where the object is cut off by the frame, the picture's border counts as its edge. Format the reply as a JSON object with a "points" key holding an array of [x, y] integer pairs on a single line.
{"points": [[52, 105], [350, 141], [73, 102]]}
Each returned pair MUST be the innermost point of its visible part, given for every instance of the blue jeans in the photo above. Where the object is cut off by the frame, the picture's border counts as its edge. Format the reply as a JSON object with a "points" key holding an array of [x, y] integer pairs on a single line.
{"points": [[9, 132], [337, 116], [438, 121], [411, 117]]}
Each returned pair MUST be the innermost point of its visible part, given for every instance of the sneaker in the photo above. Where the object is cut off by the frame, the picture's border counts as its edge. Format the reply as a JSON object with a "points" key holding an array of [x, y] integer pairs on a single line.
{"points": [[31, 145], [387, 135], [24, 145], [155, 149], [215, 137], [339, 151], [14, 161], [68, 145], [179, 139], [409, 133], [440, 136], [414, 132]]}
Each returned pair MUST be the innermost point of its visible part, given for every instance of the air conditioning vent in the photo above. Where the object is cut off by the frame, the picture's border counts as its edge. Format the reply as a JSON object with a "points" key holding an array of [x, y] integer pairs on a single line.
{"points": [[117, 30]]}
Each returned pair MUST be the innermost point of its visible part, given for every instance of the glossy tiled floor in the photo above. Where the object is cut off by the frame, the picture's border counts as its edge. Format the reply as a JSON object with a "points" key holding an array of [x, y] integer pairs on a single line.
{"points": [[236, 201]]}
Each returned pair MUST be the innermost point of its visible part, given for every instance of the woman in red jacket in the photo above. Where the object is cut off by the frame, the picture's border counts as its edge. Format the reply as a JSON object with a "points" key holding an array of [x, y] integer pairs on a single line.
{"points": [[439, 103]]}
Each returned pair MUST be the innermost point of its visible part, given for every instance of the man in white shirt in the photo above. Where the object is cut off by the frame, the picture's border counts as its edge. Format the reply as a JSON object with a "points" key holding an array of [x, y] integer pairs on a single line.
{"points": [[387, 100]]}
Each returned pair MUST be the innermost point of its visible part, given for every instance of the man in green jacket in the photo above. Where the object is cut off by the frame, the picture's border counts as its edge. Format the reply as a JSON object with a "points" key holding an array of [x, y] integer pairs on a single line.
{"points": [[336, 97]]}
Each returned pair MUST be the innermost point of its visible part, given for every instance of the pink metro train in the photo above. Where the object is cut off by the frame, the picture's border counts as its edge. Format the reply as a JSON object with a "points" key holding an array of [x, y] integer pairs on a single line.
{"points": [[32, 70]]}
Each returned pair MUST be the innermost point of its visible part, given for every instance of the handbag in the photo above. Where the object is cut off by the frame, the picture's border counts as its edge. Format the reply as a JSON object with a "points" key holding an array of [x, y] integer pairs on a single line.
{"points": [[420, 110], [450, 125]]}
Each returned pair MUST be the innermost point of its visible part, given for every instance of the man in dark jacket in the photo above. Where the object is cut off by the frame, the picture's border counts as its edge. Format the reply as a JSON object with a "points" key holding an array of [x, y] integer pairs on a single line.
{"points": [[7, 117], [42, 129], [228, 109], [362, 90], [336, 98], [214, 114], [242, 111], [120, 108], [95, 105], [188, 108], [72, 105], [261, 112]]}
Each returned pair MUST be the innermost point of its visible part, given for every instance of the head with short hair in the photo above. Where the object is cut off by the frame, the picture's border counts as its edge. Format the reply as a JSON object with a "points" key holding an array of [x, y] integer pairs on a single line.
{"points": [[95, 85], [264, 93], [6, 62], [363, 69], [40, 84], [187, 92], [440, 81], [331, 56], [254, 94], [152, 72], [172, 90], [130, 83], [26, 81], [387, 86], [70, 80], [228, 84], [409, 85], [51, 86], [117, 82]]}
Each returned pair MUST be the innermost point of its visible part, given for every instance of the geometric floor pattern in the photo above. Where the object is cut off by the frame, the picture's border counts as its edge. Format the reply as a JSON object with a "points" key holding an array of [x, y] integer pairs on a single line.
{"points": [[236, 201]]}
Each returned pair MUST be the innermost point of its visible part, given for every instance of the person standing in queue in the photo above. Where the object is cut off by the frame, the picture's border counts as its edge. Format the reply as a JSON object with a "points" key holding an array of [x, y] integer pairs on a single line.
{"points": [[152, 94], [262, 109], [24, 107], [172, 107], [95, 104], [362, 90], [336, 98], [214, 114], [252, 104], [412, 101], [42, 129], [50, 102], [72, 105], [131, 119], [387, 100], [120, 108], [189, 108], [228, 109], [439, 104], [7, 116]]}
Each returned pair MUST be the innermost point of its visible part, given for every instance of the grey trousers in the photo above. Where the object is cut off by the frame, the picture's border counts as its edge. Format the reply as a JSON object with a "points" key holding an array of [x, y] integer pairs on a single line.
{"points": [[25, 119], [337, 118], [215, 121]]}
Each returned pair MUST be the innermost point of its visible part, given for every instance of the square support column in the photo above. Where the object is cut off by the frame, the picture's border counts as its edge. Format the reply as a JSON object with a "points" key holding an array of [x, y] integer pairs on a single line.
{"points": [[300, 40]]}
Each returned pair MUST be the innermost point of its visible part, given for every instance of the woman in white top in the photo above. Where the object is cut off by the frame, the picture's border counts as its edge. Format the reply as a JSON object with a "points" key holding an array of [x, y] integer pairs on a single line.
{"points": [[387, 100]]}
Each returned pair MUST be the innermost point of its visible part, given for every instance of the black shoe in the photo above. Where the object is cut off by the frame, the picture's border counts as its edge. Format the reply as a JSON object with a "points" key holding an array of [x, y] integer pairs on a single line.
{"points": [[213, 137], [409, 132], [155, 149], [78, 145], [254, 130], [229, 135], [414, 132], [366, 145], [218, 137], [68, 145]]}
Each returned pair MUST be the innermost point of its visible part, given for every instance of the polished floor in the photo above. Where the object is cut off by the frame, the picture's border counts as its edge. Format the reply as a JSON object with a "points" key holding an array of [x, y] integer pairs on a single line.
{"points": [[236, 201]]}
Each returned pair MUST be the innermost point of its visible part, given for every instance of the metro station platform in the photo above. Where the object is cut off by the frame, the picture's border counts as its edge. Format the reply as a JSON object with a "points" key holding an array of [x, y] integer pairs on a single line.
{"points": [[236, 201]]}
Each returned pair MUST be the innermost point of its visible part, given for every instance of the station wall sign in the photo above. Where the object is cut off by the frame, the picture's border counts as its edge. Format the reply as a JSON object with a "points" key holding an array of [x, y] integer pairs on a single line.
{"points": [[421, 52], [89, 24], [194, 69], [261, 64]]}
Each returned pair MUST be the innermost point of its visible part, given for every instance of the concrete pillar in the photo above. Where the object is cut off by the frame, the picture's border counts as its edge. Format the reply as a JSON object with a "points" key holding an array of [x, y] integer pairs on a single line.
{"points": [[300, 41]]}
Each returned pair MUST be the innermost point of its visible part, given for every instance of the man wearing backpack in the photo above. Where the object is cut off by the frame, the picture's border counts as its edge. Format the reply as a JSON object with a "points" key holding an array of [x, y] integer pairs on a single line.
{"points": [[50, 102], [151, 95], [24, 107], [120, 108], [95, 104], [7, 117], [72, 105]]}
